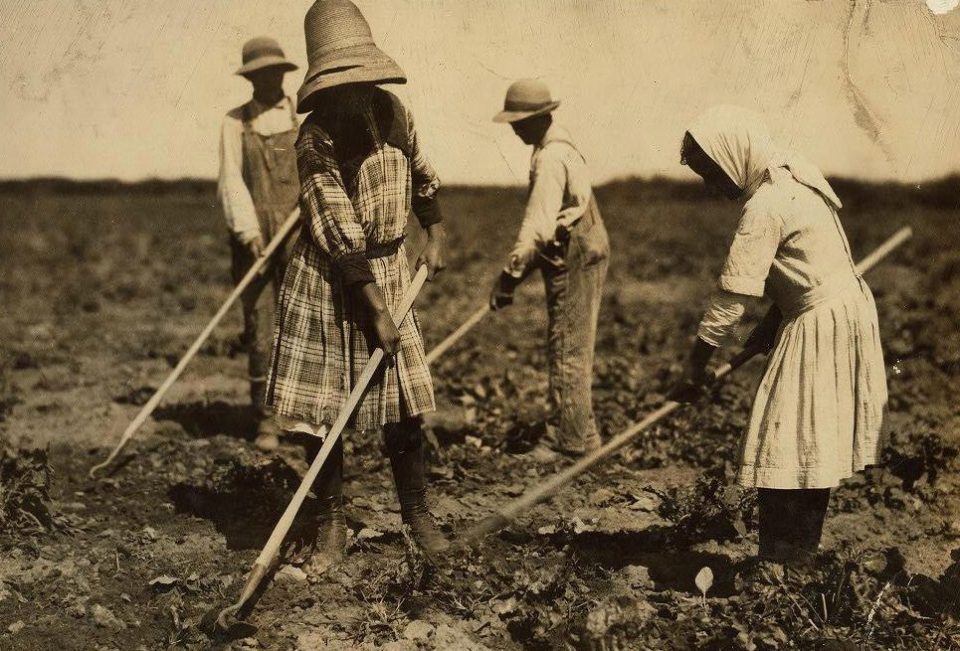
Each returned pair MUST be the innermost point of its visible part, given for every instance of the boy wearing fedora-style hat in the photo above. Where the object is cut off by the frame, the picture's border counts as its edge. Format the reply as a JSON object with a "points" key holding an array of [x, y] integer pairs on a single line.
{"points": [[563, 235], [258, 189], [361, 172]]}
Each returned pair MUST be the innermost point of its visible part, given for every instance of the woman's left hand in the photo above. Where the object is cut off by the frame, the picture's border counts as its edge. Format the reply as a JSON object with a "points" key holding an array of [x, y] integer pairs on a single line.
{"points": [[693, 383], [687, 389], [433, 252], [765, 334]]}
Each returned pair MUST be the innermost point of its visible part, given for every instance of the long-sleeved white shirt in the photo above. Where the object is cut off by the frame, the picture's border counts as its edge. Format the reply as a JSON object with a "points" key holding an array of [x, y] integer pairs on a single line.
{"points": [[560, 191], [238, 208]]}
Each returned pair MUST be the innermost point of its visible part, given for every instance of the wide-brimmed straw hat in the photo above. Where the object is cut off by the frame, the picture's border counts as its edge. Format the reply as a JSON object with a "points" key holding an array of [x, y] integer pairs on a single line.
{"points": [[525, 99], [263, 52], [340, 50]]}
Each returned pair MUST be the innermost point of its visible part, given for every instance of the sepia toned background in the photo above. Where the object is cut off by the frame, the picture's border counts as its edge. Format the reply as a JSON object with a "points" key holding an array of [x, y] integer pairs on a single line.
{"points": [[134, 89], [105, 284]]}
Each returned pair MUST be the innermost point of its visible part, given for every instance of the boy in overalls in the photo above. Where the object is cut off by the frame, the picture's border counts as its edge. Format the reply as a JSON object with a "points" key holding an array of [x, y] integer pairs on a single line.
{"points": [[563, 234], [258, 189]]}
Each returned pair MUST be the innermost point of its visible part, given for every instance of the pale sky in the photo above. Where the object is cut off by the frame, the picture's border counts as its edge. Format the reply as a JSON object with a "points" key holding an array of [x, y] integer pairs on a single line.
{"points": [[137, 88]]}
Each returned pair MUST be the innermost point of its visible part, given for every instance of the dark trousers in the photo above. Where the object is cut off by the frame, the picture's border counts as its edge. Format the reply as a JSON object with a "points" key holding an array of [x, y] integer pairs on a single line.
{"points": [[791, 522], [258, 302]]}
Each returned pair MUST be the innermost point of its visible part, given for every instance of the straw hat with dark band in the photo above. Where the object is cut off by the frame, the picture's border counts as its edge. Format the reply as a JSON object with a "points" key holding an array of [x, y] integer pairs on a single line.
{"points": [[341, 50], [525, 99], [263, 52]]}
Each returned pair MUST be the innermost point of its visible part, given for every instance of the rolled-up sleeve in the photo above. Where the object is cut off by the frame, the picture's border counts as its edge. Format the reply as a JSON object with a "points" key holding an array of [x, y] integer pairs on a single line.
{"points": [[539, 226], [752, 252], [426, 184], [238, 209], [744, 275], [332, 220], [719, 325]]}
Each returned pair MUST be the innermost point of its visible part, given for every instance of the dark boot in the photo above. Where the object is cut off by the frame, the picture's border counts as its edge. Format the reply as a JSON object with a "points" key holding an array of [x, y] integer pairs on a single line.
{"points": [[406, 450], [331, 542], [813, 511], [791, 523], [777, 524], [268, 435]]}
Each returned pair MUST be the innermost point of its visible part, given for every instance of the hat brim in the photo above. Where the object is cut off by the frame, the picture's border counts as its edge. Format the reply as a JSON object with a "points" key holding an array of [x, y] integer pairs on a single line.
{"points": [[269, 61], [371, 67], [516, 116]]}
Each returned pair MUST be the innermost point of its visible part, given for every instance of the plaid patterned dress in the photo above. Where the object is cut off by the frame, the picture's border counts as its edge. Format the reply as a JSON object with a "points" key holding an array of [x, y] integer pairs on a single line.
{"points": [[359, 179]]}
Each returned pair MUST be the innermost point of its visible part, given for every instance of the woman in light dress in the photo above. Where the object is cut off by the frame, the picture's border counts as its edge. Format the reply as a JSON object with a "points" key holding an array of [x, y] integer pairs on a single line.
{"points": [[818, 410]]}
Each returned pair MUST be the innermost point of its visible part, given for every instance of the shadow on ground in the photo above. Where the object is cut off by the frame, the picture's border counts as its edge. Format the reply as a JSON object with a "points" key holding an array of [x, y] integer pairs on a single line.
{"points": [[205, 419], [245, 502], [670, 567]]}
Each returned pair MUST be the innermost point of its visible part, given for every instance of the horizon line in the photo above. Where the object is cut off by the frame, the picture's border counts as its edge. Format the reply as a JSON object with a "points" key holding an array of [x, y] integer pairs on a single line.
{"points": [[172, 180]]}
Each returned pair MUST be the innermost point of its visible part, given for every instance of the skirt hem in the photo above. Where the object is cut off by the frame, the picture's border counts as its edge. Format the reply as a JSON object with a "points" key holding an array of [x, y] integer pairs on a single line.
{"points": [[306, 425], [750, 476]]}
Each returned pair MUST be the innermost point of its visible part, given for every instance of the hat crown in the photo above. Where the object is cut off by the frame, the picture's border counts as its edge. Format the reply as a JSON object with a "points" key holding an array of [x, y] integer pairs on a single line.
{"points": [[260, 46], [340, 50], [527, 94], [331, 25]]}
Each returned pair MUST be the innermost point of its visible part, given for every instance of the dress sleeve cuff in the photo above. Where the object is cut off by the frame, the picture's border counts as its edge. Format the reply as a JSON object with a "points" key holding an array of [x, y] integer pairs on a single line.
{"points": [[742, 285], [355, 269], [427, 210], [716, 337]]}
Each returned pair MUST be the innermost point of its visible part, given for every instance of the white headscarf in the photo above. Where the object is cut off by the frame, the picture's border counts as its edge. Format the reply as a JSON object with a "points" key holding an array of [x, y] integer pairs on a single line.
{"points": [[739, 142]]}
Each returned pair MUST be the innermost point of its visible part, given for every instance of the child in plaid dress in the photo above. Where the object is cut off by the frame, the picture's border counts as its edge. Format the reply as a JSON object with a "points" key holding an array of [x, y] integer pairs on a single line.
{"points": [[361, 171]]}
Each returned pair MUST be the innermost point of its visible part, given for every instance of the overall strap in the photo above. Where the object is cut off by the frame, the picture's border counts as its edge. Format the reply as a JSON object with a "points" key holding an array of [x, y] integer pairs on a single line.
{"points": [[246, 119], [568, 142]]}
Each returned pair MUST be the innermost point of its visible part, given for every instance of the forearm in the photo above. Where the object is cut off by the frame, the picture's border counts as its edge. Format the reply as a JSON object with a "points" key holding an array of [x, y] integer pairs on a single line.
{"points": [[238, 209], [373, 298], [385, 328], [694, 379], [436, 232], [700, 355], [427, 210], [539, 226], [521, 262], [509, 282]]}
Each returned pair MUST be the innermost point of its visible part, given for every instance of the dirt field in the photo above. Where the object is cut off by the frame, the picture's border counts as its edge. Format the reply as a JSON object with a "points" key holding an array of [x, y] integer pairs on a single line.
{"points": [[102, 293]]}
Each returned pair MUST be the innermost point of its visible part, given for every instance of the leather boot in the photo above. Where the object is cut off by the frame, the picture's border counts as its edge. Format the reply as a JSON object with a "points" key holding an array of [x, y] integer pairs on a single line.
{"points": [[268, 434], [331, 542], [813, 511], [791, 523], [406, 450]]}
